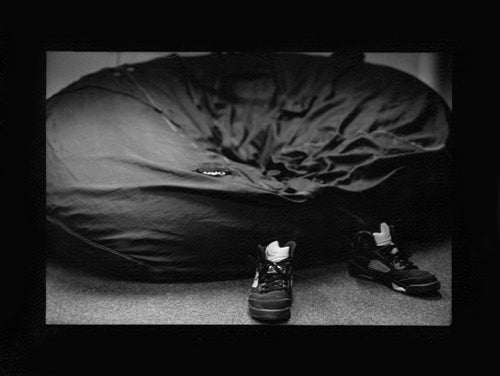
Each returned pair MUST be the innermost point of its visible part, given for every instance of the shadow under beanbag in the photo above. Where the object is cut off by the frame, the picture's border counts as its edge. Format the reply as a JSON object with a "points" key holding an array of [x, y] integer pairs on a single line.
{"points": [[175, 169]]}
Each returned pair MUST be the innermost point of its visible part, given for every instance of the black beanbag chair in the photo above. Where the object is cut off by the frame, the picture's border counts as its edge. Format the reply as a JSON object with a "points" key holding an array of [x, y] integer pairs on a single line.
{"points": [[175, 169]]}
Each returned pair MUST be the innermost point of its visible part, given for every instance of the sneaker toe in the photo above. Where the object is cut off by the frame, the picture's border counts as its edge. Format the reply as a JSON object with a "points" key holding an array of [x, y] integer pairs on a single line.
{"points": [[278, 299]]}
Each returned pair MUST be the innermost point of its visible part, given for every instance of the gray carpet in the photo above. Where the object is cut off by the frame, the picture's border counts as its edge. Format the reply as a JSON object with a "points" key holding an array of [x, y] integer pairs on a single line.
{"points": [[324, 295]]}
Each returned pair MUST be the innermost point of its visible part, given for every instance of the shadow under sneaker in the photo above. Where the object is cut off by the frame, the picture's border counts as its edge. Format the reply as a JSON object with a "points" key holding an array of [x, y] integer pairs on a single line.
{"points": [[376, 258], [270, 297]]}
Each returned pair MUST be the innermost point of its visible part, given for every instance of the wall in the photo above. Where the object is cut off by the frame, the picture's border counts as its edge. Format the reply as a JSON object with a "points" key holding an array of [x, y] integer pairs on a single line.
{"points": [[64, 67]]}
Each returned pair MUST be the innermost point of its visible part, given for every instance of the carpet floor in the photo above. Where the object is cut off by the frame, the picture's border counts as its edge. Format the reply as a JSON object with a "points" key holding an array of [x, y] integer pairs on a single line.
{"points": [[324, 295]]}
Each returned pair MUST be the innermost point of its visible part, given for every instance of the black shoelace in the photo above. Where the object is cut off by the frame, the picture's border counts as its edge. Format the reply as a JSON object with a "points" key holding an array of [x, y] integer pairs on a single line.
{"points": [[400, 258], [270, 281]]}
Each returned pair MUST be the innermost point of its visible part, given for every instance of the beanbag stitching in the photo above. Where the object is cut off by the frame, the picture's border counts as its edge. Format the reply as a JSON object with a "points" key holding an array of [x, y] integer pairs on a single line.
{"points": [[91, 242]]}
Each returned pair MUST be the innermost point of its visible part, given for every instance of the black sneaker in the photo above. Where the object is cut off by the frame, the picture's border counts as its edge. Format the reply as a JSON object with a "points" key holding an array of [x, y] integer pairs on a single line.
{"points": [[271, 294], [376, 258]]}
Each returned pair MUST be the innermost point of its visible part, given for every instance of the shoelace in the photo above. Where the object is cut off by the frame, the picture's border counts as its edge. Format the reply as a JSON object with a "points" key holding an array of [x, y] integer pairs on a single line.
{"points": [[273, 281], [401, 258]]}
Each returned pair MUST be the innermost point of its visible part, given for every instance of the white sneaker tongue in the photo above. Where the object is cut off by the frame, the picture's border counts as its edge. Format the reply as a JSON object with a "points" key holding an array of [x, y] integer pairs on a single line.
{"points": [[275, 253], [384, 236]]}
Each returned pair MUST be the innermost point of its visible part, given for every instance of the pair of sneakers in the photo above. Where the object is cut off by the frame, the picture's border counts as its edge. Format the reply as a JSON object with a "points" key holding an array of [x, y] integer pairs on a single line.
{"points": [[375, 257]]}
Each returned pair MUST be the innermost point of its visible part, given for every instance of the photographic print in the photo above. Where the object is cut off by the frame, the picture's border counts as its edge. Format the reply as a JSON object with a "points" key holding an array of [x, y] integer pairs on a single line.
{"points": [[238, 188]]}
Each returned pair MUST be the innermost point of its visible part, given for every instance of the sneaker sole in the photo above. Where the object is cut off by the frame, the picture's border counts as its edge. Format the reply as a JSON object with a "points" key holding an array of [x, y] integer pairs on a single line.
{"points": [[269, 314], [415, 289]]}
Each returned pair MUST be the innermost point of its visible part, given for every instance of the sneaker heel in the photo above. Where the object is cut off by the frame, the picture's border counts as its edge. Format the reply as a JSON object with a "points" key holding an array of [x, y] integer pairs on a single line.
{"points": [[356, 272], [353, 270]]}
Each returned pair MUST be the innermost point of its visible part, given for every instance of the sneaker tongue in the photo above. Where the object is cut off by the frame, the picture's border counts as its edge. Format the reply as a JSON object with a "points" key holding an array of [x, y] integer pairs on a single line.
{"points": [[384, 236], [275, 253]]}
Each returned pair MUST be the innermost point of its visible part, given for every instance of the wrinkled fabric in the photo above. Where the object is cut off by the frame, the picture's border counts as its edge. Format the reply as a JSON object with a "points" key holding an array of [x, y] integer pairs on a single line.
{"points": [[130, 151]]}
